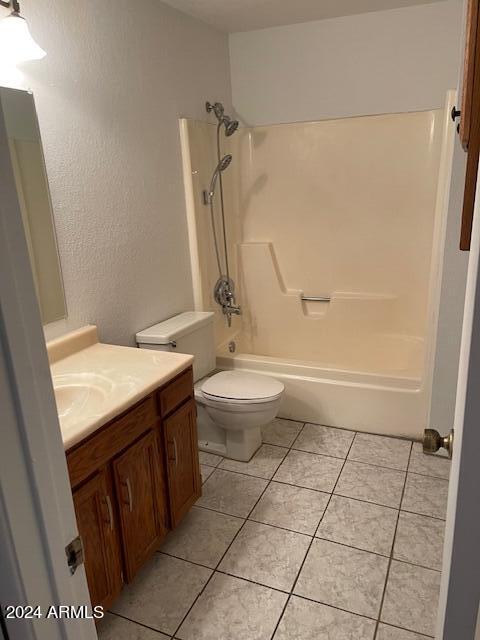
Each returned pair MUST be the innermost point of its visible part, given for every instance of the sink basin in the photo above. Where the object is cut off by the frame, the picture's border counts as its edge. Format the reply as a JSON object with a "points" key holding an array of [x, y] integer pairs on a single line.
{"points": [[79, 393]]}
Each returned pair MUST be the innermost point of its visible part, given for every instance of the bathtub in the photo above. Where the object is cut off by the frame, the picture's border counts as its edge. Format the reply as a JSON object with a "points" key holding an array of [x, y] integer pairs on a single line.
{"points": [[394, 404]]}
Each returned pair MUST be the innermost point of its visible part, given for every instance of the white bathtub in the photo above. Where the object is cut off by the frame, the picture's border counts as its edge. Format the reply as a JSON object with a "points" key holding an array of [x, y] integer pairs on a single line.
{"points": [[389, 404]]}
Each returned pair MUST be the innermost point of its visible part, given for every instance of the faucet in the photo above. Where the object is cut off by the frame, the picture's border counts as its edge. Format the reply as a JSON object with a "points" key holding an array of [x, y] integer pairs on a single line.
{"points": [[224, 294]]}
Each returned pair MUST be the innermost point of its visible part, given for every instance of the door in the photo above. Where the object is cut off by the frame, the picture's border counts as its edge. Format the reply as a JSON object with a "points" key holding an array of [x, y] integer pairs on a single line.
{"points": [[460, 589], [37, 518], [183, 470], [141, 502], [97, 527]]}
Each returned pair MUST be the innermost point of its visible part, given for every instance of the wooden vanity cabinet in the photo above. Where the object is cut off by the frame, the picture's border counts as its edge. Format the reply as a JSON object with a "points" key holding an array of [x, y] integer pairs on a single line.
{"points": [[98, 527], [133, 480], [140, 500], [183, 471]]}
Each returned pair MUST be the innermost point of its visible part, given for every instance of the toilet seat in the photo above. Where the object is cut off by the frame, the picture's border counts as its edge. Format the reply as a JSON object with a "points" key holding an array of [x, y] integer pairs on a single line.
{"points": [[238, 387]]}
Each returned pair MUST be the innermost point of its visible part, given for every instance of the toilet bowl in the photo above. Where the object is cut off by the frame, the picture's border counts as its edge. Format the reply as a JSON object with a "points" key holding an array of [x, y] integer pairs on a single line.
{"points": [[232, 406]]}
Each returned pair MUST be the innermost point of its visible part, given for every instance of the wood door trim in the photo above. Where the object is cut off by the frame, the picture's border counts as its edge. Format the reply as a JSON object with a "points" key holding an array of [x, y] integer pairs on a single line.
{"points": [[472, 115], [468, 72]]}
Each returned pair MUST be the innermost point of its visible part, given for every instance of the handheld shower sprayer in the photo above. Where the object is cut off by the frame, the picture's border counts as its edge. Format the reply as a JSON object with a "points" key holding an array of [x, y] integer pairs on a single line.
{"points": [[221, 166]]}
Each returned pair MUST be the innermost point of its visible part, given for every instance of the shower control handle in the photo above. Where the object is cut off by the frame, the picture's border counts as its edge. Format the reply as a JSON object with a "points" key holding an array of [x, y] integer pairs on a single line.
{"points": [[433, 441]]}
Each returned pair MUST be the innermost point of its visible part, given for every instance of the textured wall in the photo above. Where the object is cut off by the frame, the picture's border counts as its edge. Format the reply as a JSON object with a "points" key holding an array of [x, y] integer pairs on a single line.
{"points": [[382, 62], [117, 77]]}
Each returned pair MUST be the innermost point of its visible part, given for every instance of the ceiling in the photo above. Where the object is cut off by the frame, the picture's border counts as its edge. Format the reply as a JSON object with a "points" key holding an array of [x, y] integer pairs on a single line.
{"points": [[247, 15]]}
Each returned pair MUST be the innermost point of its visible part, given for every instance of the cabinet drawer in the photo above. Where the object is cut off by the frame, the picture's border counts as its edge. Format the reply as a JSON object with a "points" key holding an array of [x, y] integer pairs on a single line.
{"points": [[113, 438], [176, 392]]}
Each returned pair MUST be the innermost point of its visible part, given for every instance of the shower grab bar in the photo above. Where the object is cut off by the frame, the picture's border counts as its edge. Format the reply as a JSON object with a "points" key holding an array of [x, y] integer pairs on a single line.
{"points": [[315, 299]]}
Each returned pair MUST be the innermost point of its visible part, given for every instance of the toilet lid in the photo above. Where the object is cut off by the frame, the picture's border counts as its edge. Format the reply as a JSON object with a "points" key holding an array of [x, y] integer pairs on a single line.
{"points": [[236, 385]]}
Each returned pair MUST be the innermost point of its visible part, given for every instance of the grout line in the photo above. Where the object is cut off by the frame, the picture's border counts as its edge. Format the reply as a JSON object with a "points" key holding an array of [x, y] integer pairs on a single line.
{"points": [[387, 576], [298, 435], [324, 455], [420, 635], [300, 533], [424, 475], [309, 547], [225, 553], [140, 624]]}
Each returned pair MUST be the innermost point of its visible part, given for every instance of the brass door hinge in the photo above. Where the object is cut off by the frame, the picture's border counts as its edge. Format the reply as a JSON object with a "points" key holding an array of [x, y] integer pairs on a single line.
{"points": [[74, 553]]}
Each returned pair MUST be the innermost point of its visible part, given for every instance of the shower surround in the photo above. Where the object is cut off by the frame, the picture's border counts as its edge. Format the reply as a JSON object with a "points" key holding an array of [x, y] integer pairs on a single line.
{"points": [[351, 211]]}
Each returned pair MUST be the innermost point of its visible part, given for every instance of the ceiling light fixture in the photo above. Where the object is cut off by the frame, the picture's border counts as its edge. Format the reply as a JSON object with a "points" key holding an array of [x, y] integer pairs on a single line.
{"points": [[16, 42]]}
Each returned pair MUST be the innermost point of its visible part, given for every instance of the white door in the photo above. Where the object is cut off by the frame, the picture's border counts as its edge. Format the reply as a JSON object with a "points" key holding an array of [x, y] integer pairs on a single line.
{"points": [[460, 589], [37, 519]]}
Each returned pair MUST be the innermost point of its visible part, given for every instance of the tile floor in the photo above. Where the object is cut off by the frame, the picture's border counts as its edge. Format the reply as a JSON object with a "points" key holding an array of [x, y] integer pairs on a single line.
{"points": [[325, 534]]}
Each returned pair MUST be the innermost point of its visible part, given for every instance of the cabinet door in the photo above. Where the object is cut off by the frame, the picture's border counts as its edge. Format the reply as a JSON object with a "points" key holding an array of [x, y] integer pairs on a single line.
{"points": [[141, 502], [97, 527], [183, 471]]}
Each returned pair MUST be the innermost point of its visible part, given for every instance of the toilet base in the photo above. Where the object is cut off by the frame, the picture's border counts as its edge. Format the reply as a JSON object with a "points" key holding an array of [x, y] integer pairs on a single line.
{"points": [[237, 444]]}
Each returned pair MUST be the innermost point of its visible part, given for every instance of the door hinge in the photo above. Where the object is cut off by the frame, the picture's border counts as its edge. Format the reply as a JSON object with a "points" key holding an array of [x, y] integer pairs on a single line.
{"points": [[74, 553]]}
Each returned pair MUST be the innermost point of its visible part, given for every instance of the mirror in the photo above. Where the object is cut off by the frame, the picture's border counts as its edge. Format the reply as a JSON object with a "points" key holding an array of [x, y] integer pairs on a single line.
{"points": [[28, 164]]}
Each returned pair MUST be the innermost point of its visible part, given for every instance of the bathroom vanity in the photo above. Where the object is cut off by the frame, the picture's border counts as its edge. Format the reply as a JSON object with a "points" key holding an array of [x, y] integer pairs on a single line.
{"points": [[136, 474]]}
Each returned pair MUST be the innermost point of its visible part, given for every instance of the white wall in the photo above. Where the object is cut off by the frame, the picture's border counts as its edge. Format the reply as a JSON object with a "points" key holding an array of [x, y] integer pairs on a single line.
{"points": [[116, 78], [381, 62]]}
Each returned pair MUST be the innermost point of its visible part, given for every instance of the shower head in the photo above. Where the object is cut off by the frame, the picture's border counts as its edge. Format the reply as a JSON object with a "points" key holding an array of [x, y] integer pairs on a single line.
{"points": [[218, 109], [221, 166], [230, 126]]}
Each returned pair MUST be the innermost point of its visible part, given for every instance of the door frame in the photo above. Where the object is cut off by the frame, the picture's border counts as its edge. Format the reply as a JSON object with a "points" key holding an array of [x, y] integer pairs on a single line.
{"points": [[460, 584], [37, 518]]}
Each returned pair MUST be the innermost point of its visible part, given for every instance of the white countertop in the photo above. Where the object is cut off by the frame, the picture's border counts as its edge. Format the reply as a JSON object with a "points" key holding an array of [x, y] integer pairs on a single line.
{"points": [[97, 382]]}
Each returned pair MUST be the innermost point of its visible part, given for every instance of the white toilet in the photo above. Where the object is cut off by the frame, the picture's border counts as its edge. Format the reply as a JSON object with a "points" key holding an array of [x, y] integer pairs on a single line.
{"points": [[232, 405]]}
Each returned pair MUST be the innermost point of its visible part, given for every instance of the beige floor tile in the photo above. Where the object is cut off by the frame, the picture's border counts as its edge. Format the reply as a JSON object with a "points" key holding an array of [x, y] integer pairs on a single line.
{"points": [[203, 536], [359, 524], [386, 632], [231, 493], [411, 598], [263, 464], [370, 483], [206, 472], [437, 465], [281, 432], [162, 593], [419, 540], [210, 459], [114, 628], [306, 620], [385, 452], [309, 470], [328, 441], [267, 555], [343, 577], [294, 508], [233, 609], [425, 495]]}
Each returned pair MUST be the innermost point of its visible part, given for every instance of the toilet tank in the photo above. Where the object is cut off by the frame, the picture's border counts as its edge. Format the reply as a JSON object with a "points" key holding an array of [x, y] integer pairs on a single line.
{"points": [[190, 332]]}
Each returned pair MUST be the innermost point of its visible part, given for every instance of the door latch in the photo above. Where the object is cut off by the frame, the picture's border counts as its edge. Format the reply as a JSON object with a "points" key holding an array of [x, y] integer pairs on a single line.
{"points": [[74, 553]]}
